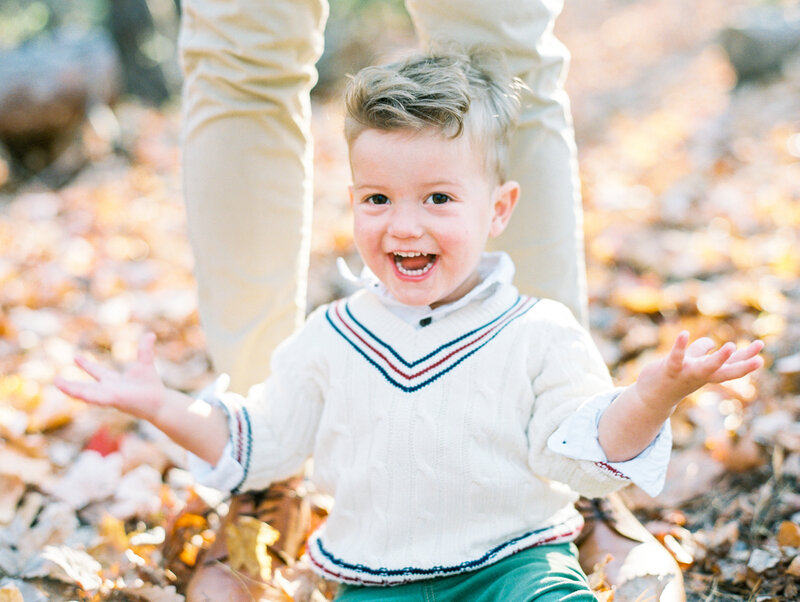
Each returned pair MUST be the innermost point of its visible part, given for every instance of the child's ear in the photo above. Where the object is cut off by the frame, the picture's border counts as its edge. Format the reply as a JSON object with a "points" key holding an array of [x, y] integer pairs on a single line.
{"points": [[505, 199]]}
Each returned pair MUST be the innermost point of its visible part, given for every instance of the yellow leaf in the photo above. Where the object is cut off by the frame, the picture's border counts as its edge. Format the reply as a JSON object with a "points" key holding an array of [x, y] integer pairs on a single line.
{"points": [[112, 530], [189, 553], [789, 534], [190, 520], [247, 541], [10, 593]]}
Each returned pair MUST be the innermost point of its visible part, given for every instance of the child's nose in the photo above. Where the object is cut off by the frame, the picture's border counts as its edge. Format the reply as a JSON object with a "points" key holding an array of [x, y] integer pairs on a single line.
{"points": [[405, 222]]}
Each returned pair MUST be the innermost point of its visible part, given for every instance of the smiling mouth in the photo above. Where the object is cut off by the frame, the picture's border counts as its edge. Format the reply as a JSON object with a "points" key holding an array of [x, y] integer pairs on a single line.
{"points": [[411, 263]]}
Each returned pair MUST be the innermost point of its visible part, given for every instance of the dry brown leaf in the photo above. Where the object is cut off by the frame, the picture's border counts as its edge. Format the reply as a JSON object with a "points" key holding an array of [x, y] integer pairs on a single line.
{"points": [[679, 553], [91, 477], [794, 567], [11, 490], [789, 534], [154, 593], [10, 593], [34, 471], [690, 473], [70, 566], [247, 539]]}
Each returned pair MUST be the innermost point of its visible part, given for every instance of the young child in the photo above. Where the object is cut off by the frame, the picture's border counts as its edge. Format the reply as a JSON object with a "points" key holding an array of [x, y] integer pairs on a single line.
{"points": [[453, 420]]}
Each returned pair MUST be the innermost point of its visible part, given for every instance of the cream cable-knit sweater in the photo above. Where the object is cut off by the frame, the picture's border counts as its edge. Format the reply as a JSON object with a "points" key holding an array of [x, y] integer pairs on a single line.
{"points": [[433, 441]]}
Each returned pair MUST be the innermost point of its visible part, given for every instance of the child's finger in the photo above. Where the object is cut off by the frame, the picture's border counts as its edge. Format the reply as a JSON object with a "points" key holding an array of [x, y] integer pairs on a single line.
{"points": [[87, 391], [93, 369], [738, 369], [678, 351], [751, 350], [713, 362], [145, 352]]}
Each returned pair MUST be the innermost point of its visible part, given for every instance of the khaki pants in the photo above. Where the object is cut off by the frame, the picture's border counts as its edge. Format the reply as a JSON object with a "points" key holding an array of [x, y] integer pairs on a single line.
{"points": [[247, 159]]}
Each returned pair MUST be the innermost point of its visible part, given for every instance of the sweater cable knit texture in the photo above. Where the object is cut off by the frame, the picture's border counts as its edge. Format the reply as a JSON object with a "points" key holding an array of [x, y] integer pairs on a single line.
{"points": [[432, 441]]}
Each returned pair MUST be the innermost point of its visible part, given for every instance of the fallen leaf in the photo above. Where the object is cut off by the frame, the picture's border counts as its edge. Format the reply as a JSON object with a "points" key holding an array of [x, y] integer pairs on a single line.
{"points": [[54, 525], [154, 593], [762, 560], [104, 441], [247, 539], [91, 477], [789, 534], [34, 471], [11, 490], [10, 593], [691, 472], [112, 530], [137, 494], [679, 553], [68, 565], [794, 567]]}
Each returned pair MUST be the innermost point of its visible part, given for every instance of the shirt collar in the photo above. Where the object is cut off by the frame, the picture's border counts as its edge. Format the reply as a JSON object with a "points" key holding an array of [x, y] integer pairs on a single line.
{"points": [[494, 269]]}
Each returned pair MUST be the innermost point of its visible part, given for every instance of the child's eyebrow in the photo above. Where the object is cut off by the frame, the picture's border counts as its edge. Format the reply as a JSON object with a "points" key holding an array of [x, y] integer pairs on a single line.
{"points": [[433, 184], [436, 183]]}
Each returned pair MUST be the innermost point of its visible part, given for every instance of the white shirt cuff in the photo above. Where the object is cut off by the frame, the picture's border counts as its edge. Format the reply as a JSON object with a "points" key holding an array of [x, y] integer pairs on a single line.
{"points": [[228, 473], [225, 476], [577, 438]]}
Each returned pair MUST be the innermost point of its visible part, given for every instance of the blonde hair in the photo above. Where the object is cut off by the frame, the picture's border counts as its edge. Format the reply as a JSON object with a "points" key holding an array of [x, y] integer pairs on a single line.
{"points": [[451, 92]]}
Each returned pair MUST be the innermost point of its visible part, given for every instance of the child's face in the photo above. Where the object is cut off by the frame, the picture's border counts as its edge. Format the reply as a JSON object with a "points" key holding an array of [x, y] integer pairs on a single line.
{"points": [[423, 209]]}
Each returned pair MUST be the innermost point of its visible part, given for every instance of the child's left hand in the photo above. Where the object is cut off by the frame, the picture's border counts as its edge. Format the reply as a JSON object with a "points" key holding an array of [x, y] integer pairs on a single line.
{"points": [[662, 384]]}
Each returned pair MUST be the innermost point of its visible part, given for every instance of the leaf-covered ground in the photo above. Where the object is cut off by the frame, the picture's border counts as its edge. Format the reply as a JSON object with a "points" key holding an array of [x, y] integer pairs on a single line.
{"points": [[692, 194]]}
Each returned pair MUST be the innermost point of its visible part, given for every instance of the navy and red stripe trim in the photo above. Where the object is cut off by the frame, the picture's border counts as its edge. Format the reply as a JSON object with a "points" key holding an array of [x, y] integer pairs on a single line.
{"points": [[346, 572], [612, 471], [440, 361], [241, 440]]}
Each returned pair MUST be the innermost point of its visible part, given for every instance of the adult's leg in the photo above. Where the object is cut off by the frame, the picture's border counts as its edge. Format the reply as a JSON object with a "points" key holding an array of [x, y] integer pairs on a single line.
{"points": [[545, 236], [247, 170], [247, 174]]}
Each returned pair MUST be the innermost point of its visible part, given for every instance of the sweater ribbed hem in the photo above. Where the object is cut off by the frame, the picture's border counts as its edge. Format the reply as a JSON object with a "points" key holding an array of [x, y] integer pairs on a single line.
{"points": [[334, 568]]}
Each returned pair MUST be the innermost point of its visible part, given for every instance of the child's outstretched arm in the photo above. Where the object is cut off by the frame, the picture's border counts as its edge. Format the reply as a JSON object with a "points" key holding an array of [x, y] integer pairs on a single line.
{"points": [[138, 390], [633, 420]]}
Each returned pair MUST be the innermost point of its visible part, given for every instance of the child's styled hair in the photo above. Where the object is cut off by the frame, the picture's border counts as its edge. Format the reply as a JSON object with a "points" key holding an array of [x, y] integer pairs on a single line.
{"points": [[451, 92]]}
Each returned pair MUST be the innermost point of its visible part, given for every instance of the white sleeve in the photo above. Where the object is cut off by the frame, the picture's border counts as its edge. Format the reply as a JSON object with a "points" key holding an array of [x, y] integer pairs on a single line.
{"points": [[273, 428], [577, 438], [567, 375], [227, 473]]}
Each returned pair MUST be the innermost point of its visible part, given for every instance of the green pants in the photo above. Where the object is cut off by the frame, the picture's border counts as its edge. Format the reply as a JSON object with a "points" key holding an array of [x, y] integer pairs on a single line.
{"points": [[544, 574]]}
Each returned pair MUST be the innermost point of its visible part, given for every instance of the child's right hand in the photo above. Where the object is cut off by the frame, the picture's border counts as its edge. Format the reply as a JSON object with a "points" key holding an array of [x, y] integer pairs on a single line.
{"points": [[137, 390], [193, 424]]}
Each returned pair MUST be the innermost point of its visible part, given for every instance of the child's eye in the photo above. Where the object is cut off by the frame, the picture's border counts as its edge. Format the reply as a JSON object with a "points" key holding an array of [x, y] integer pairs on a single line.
{"points": [[377, 199], [438, 198]]}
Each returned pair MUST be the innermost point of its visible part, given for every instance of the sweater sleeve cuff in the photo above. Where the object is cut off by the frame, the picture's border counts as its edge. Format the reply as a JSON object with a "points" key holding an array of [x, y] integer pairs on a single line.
{"points": [[577, 438], [225, 476], [229, 471]]}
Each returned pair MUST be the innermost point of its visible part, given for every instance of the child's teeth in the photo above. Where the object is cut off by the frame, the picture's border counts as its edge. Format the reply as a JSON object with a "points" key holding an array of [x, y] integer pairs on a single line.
{"points": [[402, 270], [406, 271]]}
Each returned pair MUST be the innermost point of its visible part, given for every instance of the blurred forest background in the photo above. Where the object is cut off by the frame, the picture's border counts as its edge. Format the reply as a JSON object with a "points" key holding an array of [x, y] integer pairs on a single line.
{"points": [[687, 116]]}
